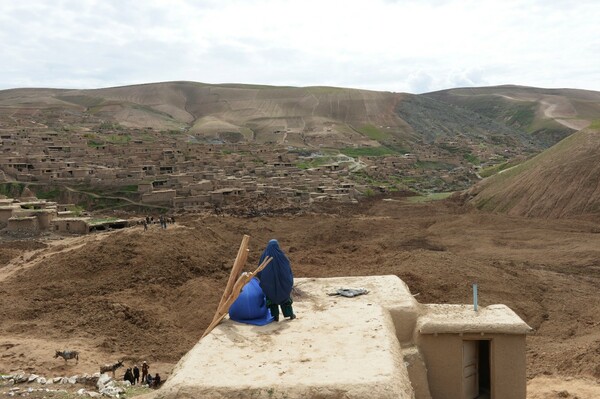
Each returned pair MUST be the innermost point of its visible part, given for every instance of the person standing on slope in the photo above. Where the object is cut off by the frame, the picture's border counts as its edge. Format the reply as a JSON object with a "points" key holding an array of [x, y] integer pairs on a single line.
{"points": [[277, 281]]}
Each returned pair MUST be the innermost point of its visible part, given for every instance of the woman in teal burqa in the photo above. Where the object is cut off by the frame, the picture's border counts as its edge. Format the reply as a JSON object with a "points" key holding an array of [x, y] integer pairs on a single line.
{"points": [[277, 281]]}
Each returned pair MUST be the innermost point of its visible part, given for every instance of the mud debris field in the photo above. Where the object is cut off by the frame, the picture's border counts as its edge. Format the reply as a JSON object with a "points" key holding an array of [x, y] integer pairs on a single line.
{"points": [[148, 295]]}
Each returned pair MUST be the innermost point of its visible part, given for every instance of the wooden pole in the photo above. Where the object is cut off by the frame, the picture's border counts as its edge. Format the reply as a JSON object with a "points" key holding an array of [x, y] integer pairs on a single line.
{"points": [[235, 293], [238, 265]]}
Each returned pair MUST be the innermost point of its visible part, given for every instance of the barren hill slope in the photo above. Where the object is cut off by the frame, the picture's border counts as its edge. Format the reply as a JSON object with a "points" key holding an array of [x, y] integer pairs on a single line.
{"points": [[547, 114], [563, 181], [304, 116]]}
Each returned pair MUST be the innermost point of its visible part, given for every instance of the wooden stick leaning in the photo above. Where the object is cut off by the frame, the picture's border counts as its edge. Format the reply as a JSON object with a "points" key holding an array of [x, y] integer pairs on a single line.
{"points": [[238, 265], [235, 292]]}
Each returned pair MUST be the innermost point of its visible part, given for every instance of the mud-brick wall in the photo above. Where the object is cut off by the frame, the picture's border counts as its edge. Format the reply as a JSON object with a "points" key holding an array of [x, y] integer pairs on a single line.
{"points": [[23, 225]]}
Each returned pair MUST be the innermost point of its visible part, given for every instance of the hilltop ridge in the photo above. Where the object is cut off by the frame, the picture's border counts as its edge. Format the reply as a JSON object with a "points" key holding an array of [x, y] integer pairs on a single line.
{"points": [[307, 116]]}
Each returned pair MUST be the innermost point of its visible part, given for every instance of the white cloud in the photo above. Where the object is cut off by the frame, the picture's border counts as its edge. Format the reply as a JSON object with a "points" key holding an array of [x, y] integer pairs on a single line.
{"points": [[399, 45]]}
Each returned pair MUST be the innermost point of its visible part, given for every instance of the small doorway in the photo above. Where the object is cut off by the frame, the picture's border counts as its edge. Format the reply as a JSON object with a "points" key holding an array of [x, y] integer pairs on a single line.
{"points": [[476, 369]]}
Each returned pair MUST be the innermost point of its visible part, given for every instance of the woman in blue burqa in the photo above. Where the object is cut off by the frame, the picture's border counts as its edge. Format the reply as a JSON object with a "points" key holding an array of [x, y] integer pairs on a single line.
{"points": [[276, 281]]}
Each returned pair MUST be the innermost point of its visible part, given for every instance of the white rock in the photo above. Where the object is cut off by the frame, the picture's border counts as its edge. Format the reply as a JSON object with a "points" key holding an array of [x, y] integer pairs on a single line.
{"points": [[49, 381], [57, 380], [102, 381], [72, 380], [32, 378], [126, 383], [93, 394], [41, 380], [14, 389], [81, 392], [109, 391]]}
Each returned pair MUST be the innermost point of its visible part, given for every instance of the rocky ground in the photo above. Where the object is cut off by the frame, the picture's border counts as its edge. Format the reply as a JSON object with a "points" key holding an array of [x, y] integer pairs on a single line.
{"points": [[138, 295]]}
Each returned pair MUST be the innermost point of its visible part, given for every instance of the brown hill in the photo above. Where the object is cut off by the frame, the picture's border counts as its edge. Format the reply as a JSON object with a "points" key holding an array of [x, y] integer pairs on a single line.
{"points": [[563, 181], [305, 116], [547, 114]]}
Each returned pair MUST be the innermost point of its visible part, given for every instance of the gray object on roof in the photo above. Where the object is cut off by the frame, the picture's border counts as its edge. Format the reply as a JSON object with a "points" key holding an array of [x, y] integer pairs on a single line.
{"points": [[349, 292]]}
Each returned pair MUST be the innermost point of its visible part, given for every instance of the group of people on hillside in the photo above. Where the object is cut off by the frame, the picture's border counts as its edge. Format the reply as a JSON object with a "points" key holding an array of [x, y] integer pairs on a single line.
{"points": [[163, 220], [133, 376]]}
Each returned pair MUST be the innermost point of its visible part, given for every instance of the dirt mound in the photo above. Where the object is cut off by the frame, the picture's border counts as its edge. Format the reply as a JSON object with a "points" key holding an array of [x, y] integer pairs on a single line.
{"points": [[9, 250], [563, 181], [149, 295], [123, 288]]}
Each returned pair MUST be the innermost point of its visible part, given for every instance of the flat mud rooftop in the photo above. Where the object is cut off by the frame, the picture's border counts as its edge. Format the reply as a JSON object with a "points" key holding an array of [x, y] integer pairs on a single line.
{"points": [[338, 347]]}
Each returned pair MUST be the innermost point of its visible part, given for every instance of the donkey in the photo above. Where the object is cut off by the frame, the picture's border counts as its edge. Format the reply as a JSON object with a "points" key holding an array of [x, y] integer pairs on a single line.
{"points": [[111, 367], [68, 355]]}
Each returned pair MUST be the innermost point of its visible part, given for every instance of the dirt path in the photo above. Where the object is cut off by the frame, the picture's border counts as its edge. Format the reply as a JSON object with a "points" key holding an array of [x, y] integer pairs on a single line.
{"points": [[561, 113], [32, 258]]}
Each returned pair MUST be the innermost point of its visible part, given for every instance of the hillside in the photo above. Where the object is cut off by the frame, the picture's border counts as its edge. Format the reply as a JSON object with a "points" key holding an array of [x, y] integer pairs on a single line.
{"points": [[563, 181], [548, 115], [299, 116]]}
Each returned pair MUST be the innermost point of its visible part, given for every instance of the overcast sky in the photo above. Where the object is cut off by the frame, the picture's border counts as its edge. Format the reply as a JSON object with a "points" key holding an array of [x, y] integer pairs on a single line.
{"points": [[401, 46]]}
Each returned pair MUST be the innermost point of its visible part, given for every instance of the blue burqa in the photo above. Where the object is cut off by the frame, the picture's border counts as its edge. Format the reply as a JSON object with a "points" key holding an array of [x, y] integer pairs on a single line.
{"points": [[276, 280], [251, 306]]}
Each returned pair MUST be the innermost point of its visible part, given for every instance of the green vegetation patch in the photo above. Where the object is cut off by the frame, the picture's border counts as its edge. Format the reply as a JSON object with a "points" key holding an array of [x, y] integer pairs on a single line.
{"points": [[494, 169], [433, 165], [429, 197], [129, 189], [95, 143], [12, 190], [471, 158], [313, 162], [521, 115], [595, 124], [52, 194], [118, 138], [373, 133]]}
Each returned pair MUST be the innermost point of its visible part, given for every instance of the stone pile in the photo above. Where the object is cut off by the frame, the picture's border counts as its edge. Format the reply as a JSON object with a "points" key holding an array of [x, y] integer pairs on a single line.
{"points": [[106, 386]]}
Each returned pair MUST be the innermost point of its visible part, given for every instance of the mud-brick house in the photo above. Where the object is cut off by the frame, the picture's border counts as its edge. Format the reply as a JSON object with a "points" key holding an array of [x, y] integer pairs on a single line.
{"points": [[6, 212], [191, 201], [381, 345], [71, 225], [472, 354], [225, 195], [85, 225], [159, 197], [23, 224]]}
